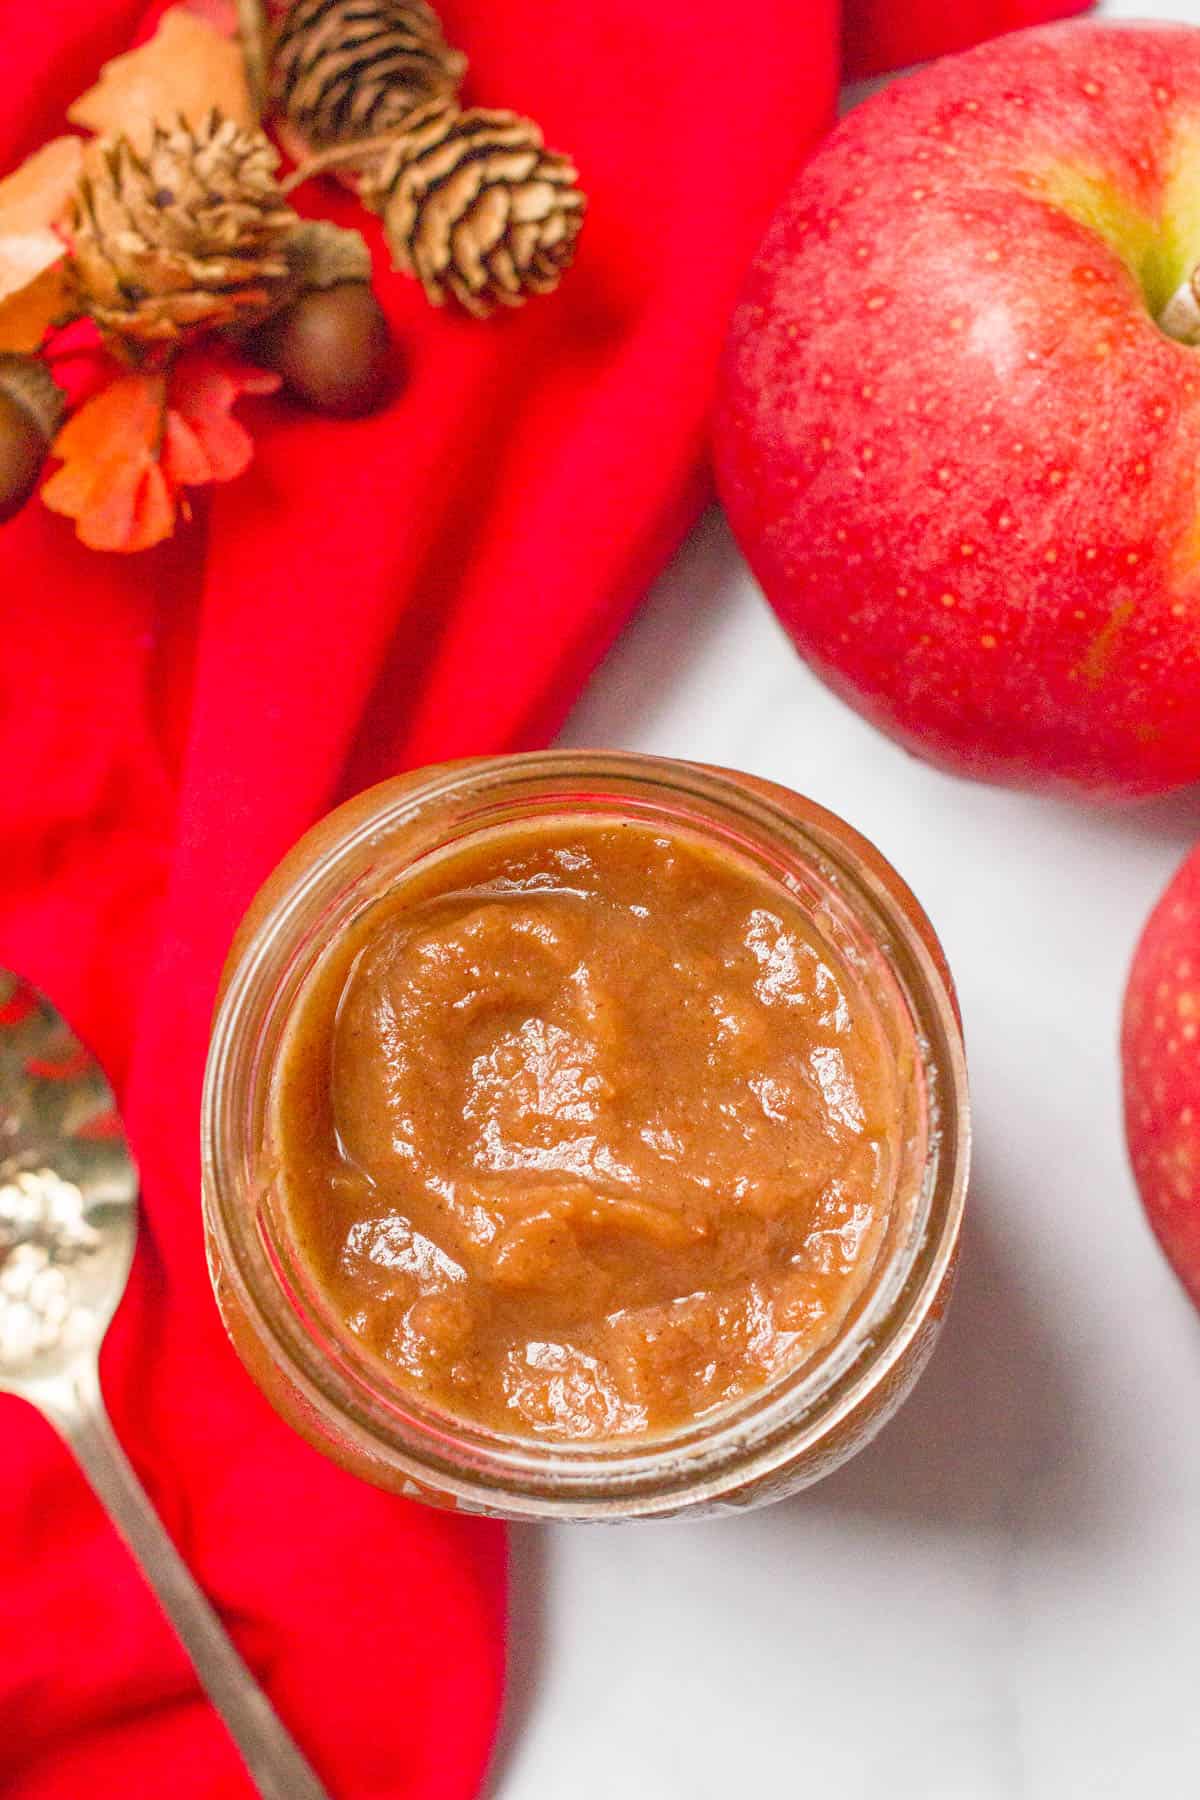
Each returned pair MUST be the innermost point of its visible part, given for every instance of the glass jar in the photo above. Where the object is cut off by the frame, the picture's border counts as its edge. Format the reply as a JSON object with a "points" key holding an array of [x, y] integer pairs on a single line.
{"points": [[805, 1420]]}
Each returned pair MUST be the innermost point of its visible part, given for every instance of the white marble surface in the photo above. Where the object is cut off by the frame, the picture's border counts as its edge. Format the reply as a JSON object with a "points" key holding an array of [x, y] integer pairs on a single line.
{"points": [[1000, 1599]]}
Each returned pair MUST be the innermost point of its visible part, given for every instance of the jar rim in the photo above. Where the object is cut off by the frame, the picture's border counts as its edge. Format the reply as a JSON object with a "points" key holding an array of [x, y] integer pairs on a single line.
{"points": [[735, 1446]]}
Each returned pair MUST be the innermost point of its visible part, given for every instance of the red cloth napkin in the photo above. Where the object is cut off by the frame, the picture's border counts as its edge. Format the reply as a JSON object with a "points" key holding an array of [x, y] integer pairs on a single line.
{"points": [[435, 581]]}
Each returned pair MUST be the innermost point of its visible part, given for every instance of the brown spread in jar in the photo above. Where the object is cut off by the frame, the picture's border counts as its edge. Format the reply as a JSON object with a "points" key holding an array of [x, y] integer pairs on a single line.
{"points": [[586, 1130]]}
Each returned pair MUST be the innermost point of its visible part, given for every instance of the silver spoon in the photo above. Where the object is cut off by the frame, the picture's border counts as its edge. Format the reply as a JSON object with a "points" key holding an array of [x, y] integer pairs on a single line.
{"points": [[68, 1222]]}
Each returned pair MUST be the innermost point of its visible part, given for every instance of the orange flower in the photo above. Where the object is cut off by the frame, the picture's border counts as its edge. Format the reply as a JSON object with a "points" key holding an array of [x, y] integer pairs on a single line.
{"points": [[129, 452]]}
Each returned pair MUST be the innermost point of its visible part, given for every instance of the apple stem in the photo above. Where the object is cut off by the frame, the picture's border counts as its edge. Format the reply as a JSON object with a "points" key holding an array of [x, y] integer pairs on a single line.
{"points": [[1180, 317]]}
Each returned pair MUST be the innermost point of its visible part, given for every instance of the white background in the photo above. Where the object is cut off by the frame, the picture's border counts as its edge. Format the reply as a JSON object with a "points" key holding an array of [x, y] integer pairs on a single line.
{"points": [[1000, 1598]]}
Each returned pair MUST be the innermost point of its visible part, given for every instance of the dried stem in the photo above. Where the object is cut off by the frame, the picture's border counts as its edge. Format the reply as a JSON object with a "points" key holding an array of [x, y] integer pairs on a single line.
{"points": [[339, 157]]}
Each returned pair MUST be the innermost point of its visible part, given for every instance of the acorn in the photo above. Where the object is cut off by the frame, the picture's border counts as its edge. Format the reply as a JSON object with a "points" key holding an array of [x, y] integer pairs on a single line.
{"points": [[332, 347], [31, 411]]}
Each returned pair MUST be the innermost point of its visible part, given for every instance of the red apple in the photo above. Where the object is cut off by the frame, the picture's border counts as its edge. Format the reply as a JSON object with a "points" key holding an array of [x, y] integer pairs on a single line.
{"points": [[955, 438], [1160, 1050]]}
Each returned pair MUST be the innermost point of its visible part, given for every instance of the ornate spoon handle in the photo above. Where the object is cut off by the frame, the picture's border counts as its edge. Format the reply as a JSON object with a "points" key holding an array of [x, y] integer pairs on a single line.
{"points": [[75, 1407]]}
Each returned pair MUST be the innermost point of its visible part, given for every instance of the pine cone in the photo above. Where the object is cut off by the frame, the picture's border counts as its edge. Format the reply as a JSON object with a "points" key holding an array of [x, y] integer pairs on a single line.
{"points": [[475, 206], [346, 69], [191, 235]]}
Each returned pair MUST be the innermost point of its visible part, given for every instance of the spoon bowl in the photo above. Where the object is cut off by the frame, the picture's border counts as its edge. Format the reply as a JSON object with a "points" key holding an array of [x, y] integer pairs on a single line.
{"points": [[68, 1195]]}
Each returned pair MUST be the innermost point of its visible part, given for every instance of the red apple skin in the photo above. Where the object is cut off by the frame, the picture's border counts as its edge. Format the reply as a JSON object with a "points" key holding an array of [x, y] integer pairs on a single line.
{"points": [[1160, 1055], [958, 452]]}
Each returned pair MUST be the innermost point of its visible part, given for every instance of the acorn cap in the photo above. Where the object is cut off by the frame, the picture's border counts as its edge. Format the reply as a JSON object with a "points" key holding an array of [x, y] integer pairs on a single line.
{"points": [[30, 383]]}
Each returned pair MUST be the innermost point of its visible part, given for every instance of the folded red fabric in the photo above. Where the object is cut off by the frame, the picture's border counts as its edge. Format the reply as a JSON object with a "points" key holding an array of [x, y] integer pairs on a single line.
{"points": [[436, 581]]}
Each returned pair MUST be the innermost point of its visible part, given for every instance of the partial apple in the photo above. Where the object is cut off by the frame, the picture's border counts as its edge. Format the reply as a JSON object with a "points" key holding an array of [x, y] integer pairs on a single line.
{"points": [[958, 436], [1160, 1053]]}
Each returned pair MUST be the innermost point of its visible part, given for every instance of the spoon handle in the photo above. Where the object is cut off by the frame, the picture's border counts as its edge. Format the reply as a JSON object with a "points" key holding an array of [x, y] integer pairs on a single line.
{"points": [[76, 1408]]}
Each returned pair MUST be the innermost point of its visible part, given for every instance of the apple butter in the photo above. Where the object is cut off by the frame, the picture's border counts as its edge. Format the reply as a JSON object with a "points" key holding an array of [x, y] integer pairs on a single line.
{"points": [[584, 1129]]}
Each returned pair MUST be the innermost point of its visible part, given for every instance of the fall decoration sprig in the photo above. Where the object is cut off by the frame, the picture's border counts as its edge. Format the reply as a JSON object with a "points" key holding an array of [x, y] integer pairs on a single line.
{"points": [[168, 232]]}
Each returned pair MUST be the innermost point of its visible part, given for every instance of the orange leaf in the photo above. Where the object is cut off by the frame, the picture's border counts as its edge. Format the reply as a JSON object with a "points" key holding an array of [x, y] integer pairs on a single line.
{"points": [[186, 69], [27, 314], [32, 199], [127, 453], [36, 194]]}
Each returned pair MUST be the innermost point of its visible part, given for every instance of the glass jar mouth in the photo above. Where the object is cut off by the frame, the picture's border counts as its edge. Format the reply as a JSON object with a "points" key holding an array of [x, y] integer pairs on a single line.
{"points": [[739, 1444]]}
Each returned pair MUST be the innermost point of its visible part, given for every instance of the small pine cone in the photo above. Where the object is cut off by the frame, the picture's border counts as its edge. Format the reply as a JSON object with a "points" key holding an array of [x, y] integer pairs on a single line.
{"points": [[190, 236], [347, 69], [475, 206]]}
